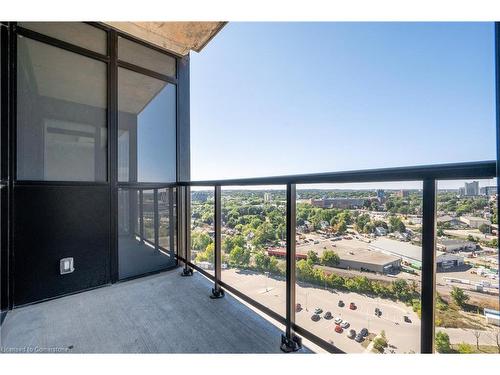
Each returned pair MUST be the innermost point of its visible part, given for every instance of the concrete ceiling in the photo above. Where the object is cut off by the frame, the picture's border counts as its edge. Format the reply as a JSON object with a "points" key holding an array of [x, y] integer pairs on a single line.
{"points": [[176, 37]]}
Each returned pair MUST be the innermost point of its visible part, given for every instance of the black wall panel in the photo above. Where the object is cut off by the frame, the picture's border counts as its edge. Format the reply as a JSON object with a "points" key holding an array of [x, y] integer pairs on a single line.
{"points": [[54, 222]]}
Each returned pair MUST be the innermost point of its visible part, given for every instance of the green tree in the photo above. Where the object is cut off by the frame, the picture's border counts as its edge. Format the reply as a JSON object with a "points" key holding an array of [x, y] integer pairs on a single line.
{"points": [[239, 257], [442, 342], [207, 255], [330, 258], [313, 257], [484, 228], [459, 296], [200, 240], [396, 224]]}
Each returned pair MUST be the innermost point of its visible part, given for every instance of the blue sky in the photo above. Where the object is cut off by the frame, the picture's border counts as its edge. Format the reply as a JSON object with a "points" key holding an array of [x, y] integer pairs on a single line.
{"points": [[285, 98]]}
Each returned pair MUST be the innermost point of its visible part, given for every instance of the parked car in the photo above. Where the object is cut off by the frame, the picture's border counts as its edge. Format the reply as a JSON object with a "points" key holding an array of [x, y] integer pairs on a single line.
{"points": [[351, 334], [338, 320], [344, 324], [378, 312], [338, 329], [359, 338], [298, 307], [328, 315], [318, 310], [406, 319], [341, 303], [363, 332], [315, 317], [352, 306]]}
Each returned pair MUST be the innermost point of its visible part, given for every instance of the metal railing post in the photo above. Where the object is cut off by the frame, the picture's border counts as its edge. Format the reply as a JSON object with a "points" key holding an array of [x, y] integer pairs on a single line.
{"points": [[156, 220], [171, 222], [217, 291], [289, 341], [428, 266], [141, 214], [185, 228]]}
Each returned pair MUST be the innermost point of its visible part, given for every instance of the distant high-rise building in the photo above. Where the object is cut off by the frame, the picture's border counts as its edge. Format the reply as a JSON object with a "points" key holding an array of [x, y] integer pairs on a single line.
{"points": [[381, 195], [403, 193], [267, 197], [471, 188], [488, 190]]}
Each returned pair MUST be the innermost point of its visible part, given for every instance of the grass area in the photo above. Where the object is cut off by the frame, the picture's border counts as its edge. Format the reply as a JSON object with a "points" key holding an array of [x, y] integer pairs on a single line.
{"points": [[472, 349]]}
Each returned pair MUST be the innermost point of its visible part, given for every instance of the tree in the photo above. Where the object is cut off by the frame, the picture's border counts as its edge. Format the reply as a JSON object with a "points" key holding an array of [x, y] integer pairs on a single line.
{"points": [[477, 335], [313, 257], [459, 296], [396, 224], [484, 228], [239, 257], [495, 336], [200, 240], [207, 255], [330, 258], [442, 342]]}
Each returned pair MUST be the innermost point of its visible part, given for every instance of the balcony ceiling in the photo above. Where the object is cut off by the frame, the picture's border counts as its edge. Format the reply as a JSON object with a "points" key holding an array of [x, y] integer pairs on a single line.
{"points": [[176, 37]]}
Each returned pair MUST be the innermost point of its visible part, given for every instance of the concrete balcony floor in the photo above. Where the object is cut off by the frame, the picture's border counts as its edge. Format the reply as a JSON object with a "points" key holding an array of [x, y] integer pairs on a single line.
{"points": [[162, 313]]}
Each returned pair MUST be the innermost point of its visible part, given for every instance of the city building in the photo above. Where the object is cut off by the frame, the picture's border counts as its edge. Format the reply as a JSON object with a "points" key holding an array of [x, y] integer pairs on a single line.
{"points": [[474, 222], [449, 221], [471, 189], [446, 262], [381, 195], [365, 260], [492, 316], [403, 193], [267, 197], [488, 190], [454, 246]]}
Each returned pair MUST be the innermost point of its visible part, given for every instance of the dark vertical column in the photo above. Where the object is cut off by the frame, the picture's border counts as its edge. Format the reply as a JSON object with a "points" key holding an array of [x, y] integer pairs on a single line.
{"points": [[428, 265], [217, 292], [290, 342], [12, 164], [4, 172], [156, 220], [112, 165], [183, 120]]}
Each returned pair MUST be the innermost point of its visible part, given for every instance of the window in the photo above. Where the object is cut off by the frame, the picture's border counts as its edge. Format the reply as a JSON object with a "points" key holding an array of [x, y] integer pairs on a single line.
{"points": [[62, 114], [77, 33], [145, 57], [147, 128]]}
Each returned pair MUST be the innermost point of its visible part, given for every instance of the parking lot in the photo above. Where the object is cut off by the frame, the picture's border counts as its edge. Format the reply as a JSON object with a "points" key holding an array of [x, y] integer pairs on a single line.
{"points": [[271, 293]]}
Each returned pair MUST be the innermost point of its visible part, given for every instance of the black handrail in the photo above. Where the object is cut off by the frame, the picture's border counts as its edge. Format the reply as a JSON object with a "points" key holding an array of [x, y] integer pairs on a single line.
{"points": [[455, 171]]}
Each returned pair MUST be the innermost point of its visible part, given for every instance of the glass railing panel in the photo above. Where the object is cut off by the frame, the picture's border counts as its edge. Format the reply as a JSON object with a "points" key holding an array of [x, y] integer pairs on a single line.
{"points": [[467, 284], [358, 265], [202, 228], [254, 243]]}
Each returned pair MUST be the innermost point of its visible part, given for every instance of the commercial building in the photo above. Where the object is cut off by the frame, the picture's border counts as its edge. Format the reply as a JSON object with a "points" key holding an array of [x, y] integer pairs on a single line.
{"points": [[446, 262], [453, 246], [474, 221], [488, 190], [492, 316], [365, 260]]}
